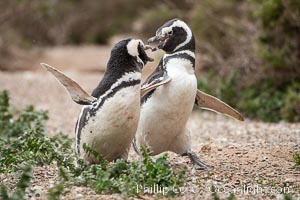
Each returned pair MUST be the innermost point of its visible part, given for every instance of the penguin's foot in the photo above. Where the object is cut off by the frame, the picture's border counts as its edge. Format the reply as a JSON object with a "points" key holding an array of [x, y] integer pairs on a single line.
{"points": [[197, 162]]}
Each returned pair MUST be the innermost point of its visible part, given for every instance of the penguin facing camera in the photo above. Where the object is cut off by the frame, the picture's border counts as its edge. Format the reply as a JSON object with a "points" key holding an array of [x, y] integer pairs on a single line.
{"points": [[165, 110]]}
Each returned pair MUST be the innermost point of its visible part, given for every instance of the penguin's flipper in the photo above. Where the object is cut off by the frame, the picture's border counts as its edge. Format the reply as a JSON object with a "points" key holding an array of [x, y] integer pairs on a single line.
{"points": [[157, 78], [77, 94], [208, 102], [155, 84]]}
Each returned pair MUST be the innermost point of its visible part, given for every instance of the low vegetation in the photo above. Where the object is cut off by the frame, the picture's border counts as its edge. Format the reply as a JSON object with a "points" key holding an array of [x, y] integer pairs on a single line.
{"points": [[27, 146], [296, 158], [251, 52]]}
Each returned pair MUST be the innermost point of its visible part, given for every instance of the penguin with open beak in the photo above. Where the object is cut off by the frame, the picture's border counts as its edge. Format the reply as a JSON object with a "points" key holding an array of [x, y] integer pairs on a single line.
{"points": [[109, 118], [165, 110]]}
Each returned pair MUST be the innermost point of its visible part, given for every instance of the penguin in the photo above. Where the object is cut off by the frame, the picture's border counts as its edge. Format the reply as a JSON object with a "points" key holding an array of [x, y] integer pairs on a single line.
{"points": [[165, 110], [109, 118]]}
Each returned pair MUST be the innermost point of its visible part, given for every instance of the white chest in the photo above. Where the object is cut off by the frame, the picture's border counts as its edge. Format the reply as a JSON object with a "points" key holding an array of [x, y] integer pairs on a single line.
{"points": [[165, 113], [112, 127], [179, 94]]}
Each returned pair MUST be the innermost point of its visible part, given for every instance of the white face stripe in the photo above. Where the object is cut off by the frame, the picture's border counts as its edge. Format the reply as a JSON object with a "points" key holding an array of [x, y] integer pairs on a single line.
{"points": [[179, 23], [132, 47], [131, 76], [166, 30]]}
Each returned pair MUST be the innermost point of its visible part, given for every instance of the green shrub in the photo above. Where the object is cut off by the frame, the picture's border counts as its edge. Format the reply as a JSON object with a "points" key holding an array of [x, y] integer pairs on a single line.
{"points": [[296, 158], [259, 80], [55, 192], [130, 178], [23, 183], [30, 147], [14, 122], [22, 138], [279, 36], [257, 101], [262, 103], [291, 109]]}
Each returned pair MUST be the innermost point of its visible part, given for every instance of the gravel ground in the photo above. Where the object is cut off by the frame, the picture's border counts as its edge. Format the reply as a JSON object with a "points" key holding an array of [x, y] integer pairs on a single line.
{"points": [[251, 159]]}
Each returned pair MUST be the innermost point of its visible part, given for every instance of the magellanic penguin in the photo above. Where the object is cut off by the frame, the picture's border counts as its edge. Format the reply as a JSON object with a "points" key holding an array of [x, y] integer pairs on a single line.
{"points": [[165, 110], [108, 121]]}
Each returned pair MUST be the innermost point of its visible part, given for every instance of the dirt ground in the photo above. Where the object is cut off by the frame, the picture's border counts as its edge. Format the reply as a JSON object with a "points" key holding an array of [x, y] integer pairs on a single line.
{"points": [[253, 160]]}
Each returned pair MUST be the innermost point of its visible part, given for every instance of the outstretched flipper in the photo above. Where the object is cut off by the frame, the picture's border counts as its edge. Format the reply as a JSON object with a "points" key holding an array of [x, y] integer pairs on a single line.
{"points": [[77, 94], [208, 102]]}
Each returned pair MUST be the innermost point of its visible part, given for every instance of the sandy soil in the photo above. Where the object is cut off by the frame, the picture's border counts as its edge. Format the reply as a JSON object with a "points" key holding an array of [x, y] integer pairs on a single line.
{"points": [[255, 154]]}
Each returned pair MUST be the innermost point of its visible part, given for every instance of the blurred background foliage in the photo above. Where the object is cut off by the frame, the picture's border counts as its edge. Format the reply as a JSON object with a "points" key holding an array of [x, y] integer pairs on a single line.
{"points": [[248, 50]]}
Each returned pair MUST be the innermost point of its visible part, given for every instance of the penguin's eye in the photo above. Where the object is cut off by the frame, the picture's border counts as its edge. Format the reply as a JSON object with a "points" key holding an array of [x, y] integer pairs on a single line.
{"points": [[170, 32]]}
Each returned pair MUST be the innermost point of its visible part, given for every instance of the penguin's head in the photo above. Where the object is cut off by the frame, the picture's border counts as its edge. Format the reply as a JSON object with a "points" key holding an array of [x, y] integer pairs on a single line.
{"points": [[136, 48], [129, 54], [174, 35]]}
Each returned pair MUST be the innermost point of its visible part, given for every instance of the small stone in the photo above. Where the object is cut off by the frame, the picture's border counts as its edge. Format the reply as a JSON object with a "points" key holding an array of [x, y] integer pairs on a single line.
{"points": [[79, 196], [237, 182]]}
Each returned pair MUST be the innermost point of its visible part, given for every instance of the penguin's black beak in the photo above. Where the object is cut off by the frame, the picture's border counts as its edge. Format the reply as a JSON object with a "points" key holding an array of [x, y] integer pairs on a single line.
{"points": [[159, 38], [143, 55], [154, 39]]}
